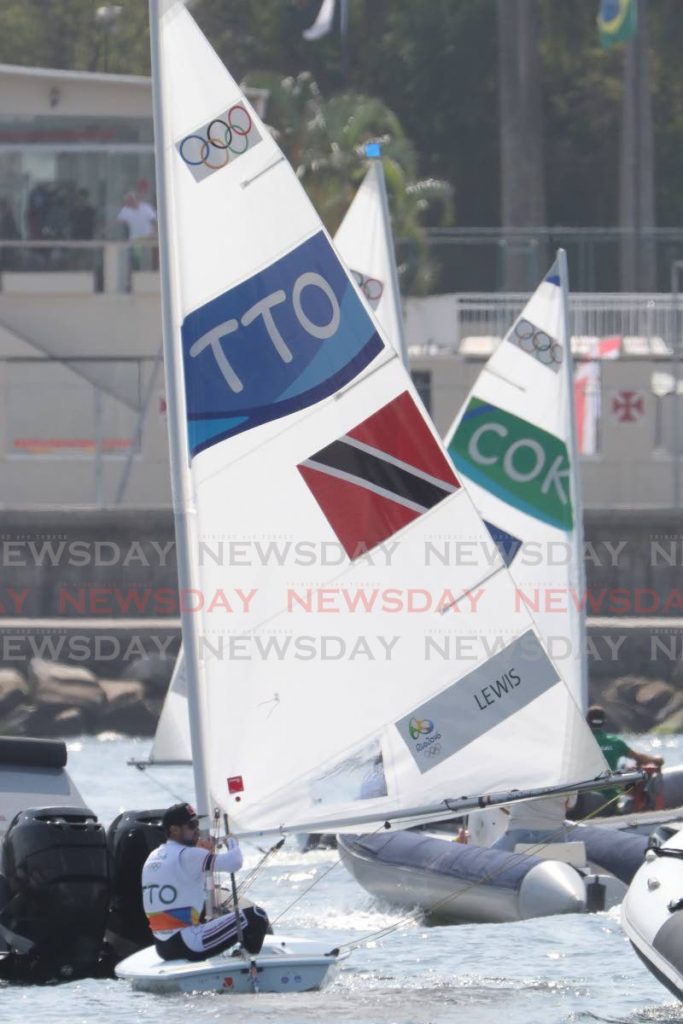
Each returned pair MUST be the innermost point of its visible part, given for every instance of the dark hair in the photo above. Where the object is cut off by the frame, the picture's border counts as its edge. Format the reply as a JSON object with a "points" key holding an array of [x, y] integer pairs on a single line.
{"points": [[596, 715]]}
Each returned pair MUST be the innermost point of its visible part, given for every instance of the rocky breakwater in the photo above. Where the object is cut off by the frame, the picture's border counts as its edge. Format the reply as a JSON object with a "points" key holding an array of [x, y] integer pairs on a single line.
{"points": [[636, 704], [53, 699]]}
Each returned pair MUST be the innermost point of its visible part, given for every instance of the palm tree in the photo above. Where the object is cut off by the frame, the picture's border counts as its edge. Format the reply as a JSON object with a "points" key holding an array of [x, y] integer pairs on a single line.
{"points": [[324, 140]]}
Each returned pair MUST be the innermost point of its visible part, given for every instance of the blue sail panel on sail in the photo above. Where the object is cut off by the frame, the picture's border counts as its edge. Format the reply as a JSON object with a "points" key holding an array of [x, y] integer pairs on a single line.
{"points": [[285, 338]]}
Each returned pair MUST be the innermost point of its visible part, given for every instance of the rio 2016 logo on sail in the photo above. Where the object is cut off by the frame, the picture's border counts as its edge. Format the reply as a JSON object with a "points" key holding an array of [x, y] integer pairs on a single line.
{"points": [[219, 142], [418, 727], [287, 337]]}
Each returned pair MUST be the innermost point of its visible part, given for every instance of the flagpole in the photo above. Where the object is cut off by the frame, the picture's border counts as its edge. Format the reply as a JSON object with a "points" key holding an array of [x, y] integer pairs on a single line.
{"points": [[183, 505], [344, 33], [575, 477], [373, 152]]}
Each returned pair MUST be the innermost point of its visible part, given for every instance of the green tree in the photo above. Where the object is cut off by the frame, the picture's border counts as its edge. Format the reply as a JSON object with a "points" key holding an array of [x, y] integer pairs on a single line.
{"points": [[70, 34], [324, 141]]}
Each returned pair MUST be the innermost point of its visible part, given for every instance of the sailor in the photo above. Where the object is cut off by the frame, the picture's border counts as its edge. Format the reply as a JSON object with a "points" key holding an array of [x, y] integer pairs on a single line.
{"points": [[173, 893], [648, 795], [613, 747], [538, 821]]}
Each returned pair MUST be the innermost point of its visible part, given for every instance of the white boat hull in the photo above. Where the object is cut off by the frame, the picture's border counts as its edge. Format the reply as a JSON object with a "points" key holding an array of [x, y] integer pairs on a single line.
{"points": [[655, 931], [283, 965]]}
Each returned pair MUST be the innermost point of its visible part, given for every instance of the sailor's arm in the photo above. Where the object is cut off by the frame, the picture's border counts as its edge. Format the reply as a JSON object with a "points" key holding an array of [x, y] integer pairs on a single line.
{"points": [[200, 858], [229, 859]]}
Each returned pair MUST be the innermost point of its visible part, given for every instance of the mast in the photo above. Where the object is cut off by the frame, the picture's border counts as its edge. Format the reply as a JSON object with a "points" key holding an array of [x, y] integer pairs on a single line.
{"points": [[184, 511], [577, 541], [373, 152]]}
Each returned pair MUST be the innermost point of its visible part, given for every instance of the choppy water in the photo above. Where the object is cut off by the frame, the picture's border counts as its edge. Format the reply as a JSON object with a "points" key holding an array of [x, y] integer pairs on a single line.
{"points": [[562, 970]]}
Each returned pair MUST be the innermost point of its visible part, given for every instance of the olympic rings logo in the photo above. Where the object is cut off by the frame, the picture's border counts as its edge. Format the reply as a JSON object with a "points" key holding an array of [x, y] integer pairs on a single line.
{"points": [[432, 751], [223, 139], [371, 288], [537, 343]]}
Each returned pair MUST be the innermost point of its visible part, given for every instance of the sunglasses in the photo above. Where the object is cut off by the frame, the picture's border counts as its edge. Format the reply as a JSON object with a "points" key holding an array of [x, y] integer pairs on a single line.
{"points": [[193, 824]]}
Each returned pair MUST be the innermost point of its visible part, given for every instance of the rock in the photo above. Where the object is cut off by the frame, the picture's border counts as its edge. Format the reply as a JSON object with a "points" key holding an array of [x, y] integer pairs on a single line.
{"points": [[49, 673], [70, 722], [121, 693], [13, 690], [154, 671], [624, 711], [653, 696], [671, 724], [65, 686]]}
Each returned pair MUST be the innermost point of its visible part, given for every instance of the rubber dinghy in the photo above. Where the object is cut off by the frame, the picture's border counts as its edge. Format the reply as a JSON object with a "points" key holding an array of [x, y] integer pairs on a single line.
{"points": [[652, 911], [455, 883]]}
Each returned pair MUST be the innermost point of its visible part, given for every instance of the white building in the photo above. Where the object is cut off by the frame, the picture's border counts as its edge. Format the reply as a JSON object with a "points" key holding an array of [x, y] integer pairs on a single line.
{"points": [[82, 418]]}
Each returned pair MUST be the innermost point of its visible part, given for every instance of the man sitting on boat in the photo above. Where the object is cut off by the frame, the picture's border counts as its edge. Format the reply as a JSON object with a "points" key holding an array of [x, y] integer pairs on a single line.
{"points": [[173, 893], [614, 748], [533, 822]]}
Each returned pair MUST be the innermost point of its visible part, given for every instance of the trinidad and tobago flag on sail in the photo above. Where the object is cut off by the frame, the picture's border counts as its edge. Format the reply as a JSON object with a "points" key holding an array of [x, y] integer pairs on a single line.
{"points": [[380, 476]]}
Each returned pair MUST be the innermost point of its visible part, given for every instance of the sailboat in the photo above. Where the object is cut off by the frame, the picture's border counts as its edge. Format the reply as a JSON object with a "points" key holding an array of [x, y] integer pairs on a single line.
{"points": [[308, 480]]}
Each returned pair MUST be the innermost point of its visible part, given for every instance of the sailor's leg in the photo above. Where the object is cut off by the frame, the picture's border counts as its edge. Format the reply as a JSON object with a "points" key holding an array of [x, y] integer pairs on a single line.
{"points": [[208, 939]]}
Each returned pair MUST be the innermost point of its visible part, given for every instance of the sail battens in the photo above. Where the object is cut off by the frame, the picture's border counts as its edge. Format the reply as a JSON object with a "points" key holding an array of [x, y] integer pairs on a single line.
{"points": [[250, 181], [504, 379]]}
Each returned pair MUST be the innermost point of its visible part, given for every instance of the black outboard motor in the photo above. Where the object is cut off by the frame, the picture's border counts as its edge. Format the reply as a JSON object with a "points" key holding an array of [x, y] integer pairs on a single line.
{"points": [[131, 838], [56, 895]]}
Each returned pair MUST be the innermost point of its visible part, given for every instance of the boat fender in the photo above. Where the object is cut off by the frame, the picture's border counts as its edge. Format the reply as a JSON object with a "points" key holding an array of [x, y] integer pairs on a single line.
{"points": [[32, 753]]}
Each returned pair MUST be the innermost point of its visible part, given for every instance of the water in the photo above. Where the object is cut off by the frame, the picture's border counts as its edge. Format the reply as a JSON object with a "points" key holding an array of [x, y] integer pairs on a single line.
{"points": [[562, 970]]}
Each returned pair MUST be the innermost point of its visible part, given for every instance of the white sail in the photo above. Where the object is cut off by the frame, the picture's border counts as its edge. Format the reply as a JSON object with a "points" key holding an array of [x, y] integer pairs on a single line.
{"points": [[512, 443], [351, 617], [172, 744], [365, 243]]}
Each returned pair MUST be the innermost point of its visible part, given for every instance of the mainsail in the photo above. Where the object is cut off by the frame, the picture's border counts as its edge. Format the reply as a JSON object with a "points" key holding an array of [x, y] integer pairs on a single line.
{"points": [[513, 444], [357, 647], [365, 244]]}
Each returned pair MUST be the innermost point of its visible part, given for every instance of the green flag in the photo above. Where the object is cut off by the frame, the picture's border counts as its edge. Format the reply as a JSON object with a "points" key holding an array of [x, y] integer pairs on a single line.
{"points": [[617, 21]]}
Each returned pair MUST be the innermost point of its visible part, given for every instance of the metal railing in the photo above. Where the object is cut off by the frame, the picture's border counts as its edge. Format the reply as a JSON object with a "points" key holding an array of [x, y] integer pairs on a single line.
{"points": [[479, 259], [91, 266], [464, 259], [647, 321]]}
